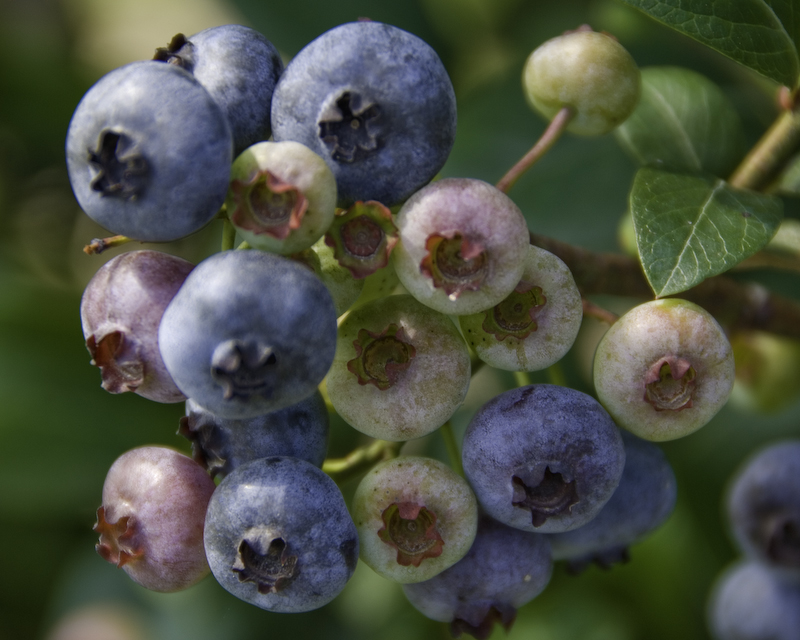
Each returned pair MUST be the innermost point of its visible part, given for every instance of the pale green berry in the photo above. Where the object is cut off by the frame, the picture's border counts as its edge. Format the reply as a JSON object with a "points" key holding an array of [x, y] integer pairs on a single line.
{"points": [[587, 71], [415, 518], [664, 369]]}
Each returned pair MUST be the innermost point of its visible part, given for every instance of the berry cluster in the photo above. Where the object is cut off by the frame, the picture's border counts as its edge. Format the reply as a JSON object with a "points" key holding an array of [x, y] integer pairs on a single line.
{"points": [[362, 275]]}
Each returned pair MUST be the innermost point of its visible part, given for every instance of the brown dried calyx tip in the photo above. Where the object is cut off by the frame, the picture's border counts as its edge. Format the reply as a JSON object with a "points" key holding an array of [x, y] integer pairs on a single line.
{"points": [[270, 569], [179, 52], [551, 497], [381, 357], [411, 529], [208, 443], [482, 628], [670, 383], [119, 362], [122, 171], [266, 205], [516, 315], [117, 539], [455, 263]]}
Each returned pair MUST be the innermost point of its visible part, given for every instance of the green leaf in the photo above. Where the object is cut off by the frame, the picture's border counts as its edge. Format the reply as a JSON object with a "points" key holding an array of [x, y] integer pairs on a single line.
{"points": [[760, 34], [689, 228], [684, 122]]}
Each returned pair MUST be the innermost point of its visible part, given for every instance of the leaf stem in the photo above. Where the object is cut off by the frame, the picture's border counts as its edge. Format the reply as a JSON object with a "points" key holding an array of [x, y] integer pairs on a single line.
{"points": [[228, 235], [553, 132], [770, 154]]}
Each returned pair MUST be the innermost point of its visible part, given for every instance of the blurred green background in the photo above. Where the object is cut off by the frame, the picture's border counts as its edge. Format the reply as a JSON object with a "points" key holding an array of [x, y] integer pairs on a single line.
{"points": [[60, 431]]}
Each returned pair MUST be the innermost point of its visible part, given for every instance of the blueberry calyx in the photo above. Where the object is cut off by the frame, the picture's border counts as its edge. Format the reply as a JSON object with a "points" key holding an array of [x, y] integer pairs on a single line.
{"points": [[605, 559], [179, 52], [242, 368], [207, 444], [551, 496], [345, 127], [516, 315], [411, 529], [270, 568], [455, 263], [119, 361], [504, 615], [117, 539], [670, 384], [267, 205], [363, 237], [783, 540], [381, 356], [121, 170]]}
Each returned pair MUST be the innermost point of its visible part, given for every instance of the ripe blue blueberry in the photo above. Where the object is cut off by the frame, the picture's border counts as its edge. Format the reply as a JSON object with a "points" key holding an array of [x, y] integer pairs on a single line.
{"points": [[248, 333], [543, 458], [239, 67], [504, 569], [752, 602], [643, 500], [278, 535], [220, 445], [374, 101], [764, 506], [149, 153]]}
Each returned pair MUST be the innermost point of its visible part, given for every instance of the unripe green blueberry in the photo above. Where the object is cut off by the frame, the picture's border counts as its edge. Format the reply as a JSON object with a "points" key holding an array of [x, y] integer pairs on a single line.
{"points": [[415, 518], [536, 324], [282, 196], [588, 71], [401, 369], [664, 369]]}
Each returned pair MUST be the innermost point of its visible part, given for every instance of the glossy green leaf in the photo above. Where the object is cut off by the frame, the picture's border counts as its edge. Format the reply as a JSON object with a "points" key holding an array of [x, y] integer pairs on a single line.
{"points": [[689, 227], [684, 122], [760, 34]]}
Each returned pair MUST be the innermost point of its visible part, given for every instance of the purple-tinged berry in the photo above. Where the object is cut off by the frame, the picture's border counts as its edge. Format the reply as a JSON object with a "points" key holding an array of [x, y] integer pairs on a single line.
{"points": [[151, 519], [121, 310]]}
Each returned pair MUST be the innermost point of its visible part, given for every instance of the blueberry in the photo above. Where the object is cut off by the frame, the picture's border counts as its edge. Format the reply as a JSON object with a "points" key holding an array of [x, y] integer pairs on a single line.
{"points": [[504, 569], [751, 602], [415, 517], [221, 444], [664, 369], [239, 67], [149, 153], [463, 245], [248, 333], [278, 535], [643, 500], [151, 519], [401, 369], [764, 506], [374, 101], [121, 309], [543, 458]]}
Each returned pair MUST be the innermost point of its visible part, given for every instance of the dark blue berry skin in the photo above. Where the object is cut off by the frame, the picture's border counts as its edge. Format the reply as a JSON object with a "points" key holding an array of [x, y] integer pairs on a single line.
{"points": [[543, 458], [278, 535], [376, 103], [221, 445], [239, 67], [149, 153], [764, 506], [504, 569], [643, 500], [248, 333], [752, 602]]}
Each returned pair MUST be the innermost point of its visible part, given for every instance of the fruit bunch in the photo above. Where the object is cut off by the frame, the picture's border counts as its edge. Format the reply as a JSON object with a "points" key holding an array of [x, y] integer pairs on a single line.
{"points": [[364, 285]]}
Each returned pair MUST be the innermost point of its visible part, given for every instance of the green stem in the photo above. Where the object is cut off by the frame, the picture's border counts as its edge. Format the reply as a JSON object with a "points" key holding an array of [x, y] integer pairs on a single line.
{"points": [[451, 445], [765, 160], [360, 459], [228, 235], [98, 245], [553, 132], [555, 374]]}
